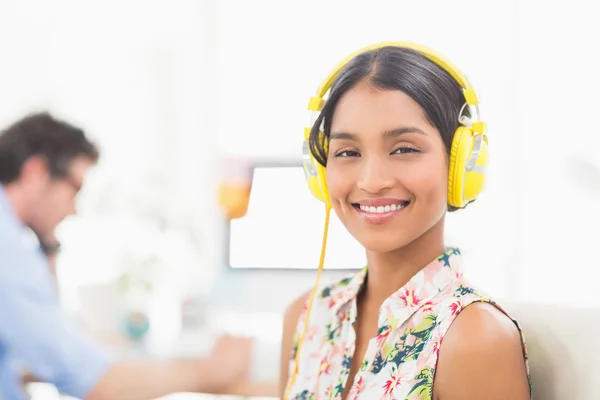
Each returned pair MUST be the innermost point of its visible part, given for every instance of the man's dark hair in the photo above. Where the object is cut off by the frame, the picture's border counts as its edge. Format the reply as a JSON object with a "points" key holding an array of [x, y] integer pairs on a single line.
{"points": [[40, 134]]}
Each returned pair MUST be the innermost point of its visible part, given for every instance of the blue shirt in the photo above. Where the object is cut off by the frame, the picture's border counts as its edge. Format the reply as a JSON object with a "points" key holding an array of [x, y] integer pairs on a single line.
{"points": [[34, 332]]}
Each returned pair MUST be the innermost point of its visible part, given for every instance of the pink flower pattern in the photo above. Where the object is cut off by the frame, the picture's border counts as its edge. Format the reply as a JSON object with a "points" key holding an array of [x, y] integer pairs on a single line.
{"points": [[400, 361]]}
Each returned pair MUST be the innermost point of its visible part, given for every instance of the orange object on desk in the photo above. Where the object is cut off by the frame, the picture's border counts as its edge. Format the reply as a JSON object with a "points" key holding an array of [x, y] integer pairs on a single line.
{"points": [[234, 199], [235, 187]]}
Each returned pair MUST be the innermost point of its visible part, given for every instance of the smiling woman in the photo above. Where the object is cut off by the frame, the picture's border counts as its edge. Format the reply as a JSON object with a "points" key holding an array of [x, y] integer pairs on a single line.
{"points": [[395, 149], [367, 168]]}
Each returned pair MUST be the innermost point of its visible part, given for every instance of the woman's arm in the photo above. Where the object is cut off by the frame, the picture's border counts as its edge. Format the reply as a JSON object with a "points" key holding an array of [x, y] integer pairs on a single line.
{"points": [[290, 321], [481, 358]]}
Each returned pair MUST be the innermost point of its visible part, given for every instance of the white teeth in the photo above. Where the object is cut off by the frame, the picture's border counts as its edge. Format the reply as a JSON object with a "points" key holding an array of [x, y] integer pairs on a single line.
{"points": [[381, 209]]}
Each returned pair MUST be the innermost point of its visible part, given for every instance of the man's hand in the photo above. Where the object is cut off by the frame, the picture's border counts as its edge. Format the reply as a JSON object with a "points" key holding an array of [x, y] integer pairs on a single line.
{"points": [[229, 361], [227, 365]]}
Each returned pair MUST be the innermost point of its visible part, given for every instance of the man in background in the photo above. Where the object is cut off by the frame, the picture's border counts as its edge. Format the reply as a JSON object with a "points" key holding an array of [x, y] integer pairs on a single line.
{"points": [[43, 165]]}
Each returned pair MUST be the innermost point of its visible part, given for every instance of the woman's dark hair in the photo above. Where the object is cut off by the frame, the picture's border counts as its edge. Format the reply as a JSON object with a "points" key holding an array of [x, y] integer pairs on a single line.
{"points": [[42, 134], [396, 68]]}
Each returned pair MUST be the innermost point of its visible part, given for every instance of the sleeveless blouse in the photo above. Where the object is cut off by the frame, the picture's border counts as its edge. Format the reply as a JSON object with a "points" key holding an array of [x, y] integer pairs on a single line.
{"points": [[400, 362]]}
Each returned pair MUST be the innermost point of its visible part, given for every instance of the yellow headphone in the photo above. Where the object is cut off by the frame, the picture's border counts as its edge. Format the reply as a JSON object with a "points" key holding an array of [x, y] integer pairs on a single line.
{"points": [[467, 164], [468, 154]]}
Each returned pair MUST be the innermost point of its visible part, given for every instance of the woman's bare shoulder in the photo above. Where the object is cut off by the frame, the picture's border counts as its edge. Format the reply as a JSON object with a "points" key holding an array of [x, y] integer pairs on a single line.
{"points": [[482, 357]]}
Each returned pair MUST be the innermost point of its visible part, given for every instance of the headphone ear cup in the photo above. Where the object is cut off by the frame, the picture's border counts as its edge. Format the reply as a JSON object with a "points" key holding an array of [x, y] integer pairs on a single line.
{"points": [[475, 179], [464, 186], [316, 179], [315, 188], [315, 173], [322, 181], [462, 145]]}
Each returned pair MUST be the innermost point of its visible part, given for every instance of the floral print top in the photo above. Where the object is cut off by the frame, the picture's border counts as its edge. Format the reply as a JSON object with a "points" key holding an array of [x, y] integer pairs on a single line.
{"points": [[400, 362]]}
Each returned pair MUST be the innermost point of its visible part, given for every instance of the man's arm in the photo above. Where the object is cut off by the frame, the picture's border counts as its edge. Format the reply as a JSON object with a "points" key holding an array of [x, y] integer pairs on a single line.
{"points": [[124, 380], [52, 349], [149, 380], [228, 362]]}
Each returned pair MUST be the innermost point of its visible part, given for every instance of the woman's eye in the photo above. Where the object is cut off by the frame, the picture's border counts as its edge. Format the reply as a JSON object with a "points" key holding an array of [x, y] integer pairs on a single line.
{"points": [[404, 150], [346, 153]]}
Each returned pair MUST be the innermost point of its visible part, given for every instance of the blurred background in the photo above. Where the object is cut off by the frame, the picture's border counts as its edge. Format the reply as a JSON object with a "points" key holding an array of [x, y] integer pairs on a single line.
{"points": [[188, 97]]}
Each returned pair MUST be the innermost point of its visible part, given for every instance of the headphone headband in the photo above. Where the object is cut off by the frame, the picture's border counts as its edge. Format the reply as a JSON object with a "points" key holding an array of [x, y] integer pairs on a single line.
{"points": [[316, 103]]}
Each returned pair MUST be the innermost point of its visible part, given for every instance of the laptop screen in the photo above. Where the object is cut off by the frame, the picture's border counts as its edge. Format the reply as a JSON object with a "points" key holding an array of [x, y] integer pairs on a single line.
{"points": [[283, 227]]}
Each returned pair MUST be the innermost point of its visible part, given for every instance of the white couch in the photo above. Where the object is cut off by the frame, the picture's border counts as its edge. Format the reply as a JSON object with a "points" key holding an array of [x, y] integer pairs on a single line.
{"points": [[564, 350]]}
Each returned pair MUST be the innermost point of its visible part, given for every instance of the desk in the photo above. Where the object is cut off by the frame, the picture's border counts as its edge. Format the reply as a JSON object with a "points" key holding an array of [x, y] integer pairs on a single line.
{"points": [[245, 390]]}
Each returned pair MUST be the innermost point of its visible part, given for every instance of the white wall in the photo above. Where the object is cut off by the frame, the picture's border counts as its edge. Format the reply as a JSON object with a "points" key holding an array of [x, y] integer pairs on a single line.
{"points": [[559, 83]]}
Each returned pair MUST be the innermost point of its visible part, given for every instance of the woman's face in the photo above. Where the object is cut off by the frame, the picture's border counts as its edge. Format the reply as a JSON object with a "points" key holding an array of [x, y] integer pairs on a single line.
{"points": [[387, 168]]}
